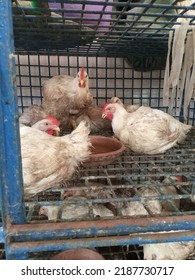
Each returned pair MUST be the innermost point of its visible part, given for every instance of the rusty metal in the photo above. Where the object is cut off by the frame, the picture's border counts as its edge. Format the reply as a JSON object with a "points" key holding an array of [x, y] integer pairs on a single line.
{"points": [[24, 230], [65, 244], [129, 221]]}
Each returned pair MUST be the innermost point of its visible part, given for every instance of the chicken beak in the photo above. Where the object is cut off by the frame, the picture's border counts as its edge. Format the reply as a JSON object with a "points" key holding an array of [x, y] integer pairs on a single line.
{"points": [[81, 83], [104, 115], [57, 130]]}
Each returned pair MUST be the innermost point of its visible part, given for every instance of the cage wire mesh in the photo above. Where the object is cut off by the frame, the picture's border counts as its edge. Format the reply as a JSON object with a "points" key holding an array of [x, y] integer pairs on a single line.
{"points": [[98, 27], [108, 193], [123, 46], [109, 76]]}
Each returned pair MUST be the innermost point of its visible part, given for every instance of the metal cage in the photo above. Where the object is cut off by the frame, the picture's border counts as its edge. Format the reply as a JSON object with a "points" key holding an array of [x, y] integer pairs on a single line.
{"points": [[123, 46]]}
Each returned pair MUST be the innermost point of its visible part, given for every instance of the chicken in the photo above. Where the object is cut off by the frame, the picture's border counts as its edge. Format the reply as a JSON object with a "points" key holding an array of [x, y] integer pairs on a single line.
{"points": [[32, 114], [93, 116], [191, 180], [78, 254], [153, 206], [128, 108], [156, 206], [97, 191], [168, 251], [159, 251], [35, 113], [146, 130], [65, 95], [71, 210], [134, 208], [47, 160], [170, 189], [49, 125], [143, 207]]}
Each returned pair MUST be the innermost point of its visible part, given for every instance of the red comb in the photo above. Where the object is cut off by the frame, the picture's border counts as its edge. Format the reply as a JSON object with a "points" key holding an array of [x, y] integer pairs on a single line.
{"points": [[82, 73], [104, 107], [179, 178], [54, 120]]}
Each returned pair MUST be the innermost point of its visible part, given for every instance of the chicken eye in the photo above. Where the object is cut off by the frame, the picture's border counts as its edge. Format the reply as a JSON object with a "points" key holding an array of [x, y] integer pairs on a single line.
{"points": [[86, 76], [46, 123]]}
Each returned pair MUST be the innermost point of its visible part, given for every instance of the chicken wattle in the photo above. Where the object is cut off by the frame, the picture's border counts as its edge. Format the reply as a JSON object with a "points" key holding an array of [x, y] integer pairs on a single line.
{"points": [[49, 125]]}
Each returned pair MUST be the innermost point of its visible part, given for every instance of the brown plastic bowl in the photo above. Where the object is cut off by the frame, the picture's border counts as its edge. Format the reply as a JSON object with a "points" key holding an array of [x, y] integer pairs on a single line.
{"points": [[104, 150]]}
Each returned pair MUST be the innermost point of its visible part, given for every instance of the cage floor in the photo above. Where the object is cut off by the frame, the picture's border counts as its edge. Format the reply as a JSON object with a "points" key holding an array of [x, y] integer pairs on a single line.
{"points": [[117, 184], [114, 186]]}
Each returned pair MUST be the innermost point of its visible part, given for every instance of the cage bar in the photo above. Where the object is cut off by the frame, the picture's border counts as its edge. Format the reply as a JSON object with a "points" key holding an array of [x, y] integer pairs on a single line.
{"points": [[123, 47]]}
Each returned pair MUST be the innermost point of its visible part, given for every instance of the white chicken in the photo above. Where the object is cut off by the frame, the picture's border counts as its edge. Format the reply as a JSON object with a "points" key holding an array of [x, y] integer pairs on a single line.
{"points": [[49, 125], [149, 205], [146, 130], [157, 206], [71, 210], [169, 251], [47, 160], [133, 209], [159, 251], [33, 116], [128, 108], [98, 191], [64, 95], [169, 189]]}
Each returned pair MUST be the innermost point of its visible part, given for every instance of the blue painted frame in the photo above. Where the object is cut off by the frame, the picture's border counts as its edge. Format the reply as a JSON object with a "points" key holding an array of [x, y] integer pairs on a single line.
{"points": [[11, 184], [11, 175]]}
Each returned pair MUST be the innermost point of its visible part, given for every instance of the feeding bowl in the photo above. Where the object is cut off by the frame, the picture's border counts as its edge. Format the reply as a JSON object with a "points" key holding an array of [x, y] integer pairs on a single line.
{"points": [[104, 150]]}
